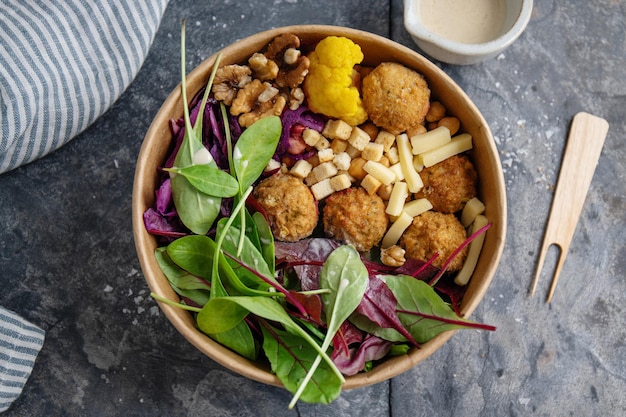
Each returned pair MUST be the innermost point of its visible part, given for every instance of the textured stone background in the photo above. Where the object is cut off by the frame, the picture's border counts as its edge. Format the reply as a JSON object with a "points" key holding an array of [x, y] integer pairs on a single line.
{"points": [[68, 262]]}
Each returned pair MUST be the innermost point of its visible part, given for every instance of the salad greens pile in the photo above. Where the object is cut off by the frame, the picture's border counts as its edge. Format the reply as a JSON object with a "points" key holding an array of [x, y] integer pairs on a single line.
{"points": [[315, 309]]}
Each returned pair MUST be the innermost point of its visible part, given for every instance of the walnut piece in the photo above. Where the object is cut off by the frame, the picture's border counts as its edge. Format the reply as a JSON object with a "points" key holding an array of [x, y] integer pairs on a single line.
{"points": [[264, 69], [296, 98], [293, 67], [392, 256], [256, 100], [229, 80]]}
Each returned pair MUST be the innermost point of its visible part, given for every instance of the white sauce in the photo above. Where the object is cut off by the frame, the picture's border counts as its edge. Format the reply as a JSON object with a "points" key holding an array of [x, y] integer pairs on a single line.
{"points": [[465, 21], [202, 157]]}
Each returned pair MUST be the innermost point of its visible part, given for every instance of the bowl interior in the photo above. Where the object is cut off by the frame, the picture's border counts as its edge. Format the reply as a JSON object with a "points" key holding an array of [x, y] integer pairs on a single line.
{"points": [[376, 49]]}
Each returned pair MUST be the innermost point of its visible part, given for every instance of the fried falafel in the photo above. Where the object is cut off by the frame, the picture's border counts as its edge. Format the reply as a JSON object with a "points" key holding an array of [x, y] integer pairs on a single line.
{"points": [[355, 217], [435, 233], [449, 184], [289, 205], [396, 98]]}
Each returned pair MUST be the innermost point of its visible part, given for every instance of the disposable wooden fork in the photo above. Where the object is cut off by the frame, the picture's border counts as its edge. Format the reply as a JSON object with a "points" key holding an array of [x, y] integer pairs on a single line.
{"points": [[584, 145]]}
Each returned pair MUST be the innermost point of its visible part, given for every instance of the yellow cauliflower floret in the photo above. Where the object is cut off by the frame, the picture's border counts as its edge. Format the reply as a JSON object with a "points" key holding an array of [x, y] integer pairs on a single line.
{"points": [[328, 86]]}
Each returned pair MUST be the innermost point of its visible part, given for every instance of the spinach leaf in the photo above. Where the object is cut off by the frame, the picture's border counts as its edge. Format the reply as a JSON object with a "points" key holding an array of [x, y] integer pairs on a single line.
{"points": [[185, 284], [288, 355], [254, 148], [195, 254], [197, 210], [240, 339], [208, 179], [266, 239], [222, 313], [345, 275], [417, 296], [250, 256]]}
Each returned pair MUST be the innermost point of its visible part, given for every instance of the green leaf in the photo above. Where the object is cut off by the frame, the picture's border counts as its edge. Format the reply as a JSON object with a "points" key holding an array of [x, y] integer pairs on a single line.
{"points": [[290, 357], [416, 295], [212, 318], [220, 315], [250, 256], [239, 339], [345, 275], [209, 179], [254, 148], [196, 210], [184, 283], [193, 254], [266, 239]]}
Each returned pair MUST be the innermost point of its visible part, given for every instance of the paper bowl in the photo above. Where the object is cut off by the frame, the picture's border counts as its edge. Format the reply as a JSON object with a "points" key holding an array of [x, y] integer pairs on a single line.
{"points": [[376, 49]]}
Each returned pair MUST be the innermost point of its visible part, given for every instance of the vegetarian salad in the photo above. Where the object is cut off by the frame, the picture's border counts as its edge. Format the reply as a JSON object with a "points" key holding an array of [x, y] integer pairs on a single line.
{"points": [[317, 213]]}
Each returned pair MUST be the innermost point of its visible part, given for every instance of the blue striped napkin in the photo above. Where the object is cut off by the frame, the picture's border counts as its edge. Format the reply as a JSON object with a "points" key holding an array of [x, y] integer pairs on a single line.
{"points": [[63, 63], [20, 342]]}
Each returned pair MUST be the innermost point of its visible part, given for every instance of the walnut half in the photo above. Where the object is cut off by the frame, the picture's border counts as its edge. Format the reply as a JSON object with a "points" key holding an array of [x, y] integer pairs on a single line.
{"points": [[256, 100], [229, 80], [392, 256]]}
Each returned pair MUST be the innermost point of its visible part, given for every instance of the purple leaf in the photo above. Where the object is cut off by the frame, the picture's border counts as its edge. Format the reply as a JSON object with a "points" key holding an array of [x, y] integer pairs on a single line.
{"points": [[308, 254], [372, 348], [379, 305]]}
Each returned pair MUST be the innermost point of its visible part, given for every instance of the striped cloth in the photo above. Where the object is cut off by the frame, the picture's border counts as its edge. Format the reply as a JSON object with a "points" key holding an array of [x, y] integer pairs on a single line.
{"points": [[63, 63], [20, 342]]}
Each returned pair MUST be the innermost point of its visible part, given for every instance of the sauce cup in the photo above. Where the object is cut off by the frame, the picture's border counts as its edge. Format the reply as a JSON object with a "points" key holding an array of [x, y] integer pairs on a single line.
{"points": [[464, 32]]}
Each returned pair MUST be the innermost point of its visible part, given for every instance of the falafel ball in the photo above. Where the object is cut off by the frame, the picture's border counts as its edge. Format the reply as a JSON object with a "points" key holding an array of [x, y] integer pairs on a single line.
{"points": [[290, 207], [396, 98], [449, 184], [355, 217], [435, 233]]}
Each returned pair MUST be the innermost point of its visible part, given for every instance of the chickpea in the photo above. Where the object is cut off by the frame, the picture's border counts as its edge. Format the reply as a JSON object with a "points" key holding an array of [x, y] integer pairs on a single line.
{"points": [[435, 112], [452, 123]]}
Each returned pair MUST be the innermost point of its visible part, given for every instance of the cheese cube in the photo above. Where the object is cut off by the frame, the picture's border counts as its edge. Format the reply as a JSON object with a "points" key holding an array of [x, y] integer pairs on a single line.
{"points": [[301, 169], [372, 151], [342, 161], [325, 170], [392, 155], [325, 155], [339, 145], [322, 189], [311, 136], [371, 184], [323, 143], [340, 182], [337, 129], [359, 138], [386, 139]]}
